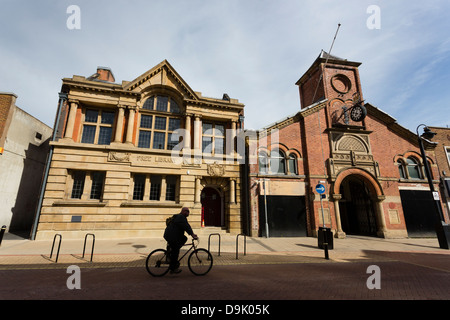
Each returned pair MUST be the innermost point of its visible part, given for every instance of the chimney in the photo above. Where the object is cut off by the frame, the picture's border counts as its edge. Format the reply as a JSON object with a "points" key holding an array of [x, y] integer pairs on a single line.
{"points": [[105, 74]]}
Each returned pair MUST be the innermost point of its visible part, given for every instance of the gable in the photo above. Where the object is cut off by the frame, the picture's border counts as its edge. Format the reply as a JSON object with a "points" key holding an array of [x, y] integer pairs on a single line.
{"points": [[161, 75]]}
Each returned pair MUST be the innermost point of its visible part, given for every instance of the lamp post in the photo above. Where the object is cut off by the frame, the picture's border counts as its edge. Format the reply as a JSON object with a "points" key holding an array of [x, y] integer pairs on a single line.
{"points": [[442, 229]]}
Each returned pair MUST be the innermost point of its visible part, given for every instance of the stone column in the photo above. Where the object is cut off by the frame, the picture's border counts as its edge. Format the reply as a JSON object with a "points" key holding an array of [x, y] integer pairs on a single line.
{"points": [[233, 137], [197, 132], [197, 189], [232, 191], [339, 232], [130, 127], [119, 127], [71, 119], [187, 138], [382, 231], [162, 196]]}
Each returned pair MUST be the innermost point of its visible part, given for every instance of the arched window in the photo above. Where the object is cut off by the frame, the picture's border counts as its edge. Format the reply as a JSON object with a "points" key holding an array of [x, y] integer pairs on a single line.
{"points": [[263, 162], [161, 103], [159, 117], [401, 169], [413, 168], [292, 164], [277, 162]]}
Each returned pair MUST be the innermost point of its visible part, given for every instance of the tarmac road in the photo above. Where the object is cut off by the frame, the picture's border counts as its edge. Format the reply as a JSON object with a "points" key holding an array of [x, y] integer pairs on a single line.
{"points": [[275, 273]]}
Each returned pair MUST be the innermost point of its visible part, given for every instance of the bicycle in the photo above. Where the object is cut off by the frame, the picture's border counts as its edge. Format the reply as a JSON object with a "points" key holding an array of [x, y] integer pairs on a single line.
{"points": [[200, 261]]}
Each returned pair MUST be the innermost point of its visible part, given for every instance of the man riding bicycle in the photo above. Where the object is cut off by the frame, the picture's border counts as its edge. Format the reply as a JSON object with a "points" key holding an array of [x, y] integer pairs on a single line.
{"points": [[174, 235]]}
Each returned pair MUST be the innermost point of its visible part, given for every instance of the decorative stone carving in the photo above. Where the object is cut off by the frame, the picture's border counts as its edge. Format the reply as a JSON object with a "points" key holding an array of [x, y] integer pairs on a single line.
{"points": [[119, 156], [216, 169]]}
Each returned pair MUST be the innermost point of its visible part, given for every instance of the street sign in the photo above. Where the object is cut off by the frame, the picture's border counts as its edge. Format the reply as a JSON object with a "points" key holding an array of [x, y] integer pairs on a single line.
{"points": [[320, 188]]}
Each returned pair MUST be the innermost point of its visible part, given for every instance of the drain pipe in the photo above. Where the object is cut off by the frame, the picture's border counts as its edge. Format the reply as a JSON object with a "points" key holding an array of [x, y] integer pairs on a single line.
{"points": [[62, 98]]}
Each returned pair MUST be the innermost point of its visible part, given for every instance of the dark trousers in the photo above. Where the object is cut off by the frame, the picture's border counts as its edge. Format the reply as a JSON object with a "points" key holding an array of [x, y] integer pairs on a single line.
{"points": [[173, 249]]}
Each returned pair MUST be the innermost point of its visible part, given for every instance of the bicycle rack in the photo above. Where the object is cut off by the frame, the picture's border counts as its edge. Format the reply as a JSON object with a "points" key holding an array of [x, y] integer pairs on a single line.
{"points": [[209, 239], [93, 242], [245, 244], [59, 246]]}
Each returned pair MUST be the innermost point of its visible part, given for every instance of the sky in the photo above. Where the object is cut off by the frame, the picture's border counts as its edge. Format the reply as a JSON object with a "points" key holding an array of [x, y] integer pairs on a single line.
{"points": [[253, 50]]}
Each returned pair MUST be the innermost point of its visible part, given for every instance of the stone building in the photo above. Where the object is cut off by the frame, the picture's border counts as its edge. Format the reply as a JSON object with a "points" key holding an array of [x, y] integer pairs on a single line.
{"points": [[24, 144], [370, 166], [129, 155]]}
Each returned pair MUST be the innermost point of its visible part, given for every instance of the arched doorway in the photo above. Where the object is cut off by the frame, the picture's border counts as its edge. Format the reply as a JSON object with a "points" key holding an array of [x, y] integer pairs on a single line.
{"points": [[357, 209], [212, 207]]}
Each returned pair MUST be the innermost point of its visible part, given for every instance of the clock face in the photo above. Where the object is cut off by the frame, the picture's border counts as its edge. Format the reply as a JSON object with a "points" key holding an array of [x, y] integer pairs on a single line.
{"points": [[358, 113]]}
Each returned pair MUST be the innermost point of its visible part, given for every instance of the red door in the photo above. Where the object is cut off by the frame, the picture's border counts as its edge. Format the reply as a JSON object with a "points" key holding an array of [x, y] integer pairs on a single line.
{"points": [[211, 207]]}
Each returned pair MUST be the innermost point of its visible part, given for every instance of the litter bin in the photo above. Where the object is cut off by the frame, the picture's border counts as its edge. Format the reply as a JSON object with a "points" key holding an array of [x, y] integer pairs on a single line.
{"points": [[443, 235], [325, 234]]}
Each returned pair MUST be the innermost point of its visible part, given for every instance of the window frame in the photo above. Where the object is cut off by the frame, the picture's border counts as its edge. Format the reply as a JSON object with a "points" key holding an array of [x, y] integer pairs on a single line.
{"points": [[98, 126], [86, 185], [152, 132], [213, 134], [416, 166], [152, 188]]}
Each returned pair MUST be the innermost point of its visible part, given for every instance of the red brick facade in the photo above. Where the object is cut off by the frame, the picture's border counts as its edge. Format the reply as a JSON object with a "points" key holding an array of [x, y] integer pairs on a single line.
{"points": [[358, 162]]}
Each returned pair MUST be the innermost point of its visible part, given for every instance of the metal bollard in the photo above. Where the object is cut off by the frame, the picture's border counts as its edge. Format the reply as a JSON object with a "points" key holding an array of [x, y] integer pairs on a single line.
{"points": [[2, 232]]}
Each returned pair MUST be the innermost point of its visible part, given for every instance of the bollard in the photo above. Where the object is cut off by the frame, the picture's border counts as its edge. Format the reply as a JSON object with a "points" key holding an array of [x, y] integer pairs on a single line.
{"points": [[2, 232]]}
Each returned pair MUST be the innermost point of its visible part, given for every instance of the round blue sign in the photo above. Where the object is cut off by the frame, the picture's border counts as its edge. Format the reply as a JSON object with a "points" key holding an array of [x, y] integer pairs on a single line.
{"points": [[320, 188]]}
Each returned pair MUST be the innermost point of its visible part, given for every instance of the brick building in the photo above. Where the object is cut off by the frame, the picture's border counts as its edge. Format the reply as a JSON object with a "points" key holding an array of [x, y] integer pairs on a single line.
{"points": [[129, 155], [370, 165]]}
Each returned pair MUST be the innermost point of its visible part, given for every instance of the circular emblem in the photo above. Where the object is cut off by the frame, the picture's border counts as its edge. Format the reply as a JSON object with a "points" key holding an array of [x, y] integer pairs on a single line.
{"points": [[341, 83]]}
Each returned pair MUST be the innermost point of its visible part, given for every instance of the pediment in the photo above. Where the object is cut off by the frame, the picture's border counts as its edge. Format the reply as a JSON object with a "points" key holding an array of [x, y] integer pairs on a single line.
{"points": [[163, 75]]}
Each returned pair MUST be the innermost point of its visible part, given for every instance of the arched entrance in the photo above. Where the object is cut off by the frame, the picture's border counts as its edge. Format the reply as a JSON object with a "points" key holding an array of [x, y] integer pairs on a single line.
{"points": [[212, 207], [356, 206]]}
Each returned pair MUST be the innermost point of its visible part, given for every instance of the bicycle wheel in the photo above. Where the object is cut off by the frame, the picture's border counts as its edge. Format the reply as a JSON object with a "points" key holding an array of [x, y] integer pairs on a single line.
{"points": [[157, 263], [200, 262]]}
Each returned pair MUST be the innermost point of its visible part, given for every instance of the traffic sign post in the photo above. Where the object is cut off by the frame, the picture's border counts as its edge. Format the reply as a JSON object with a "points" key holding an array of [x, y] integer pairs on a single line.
{"points": [[325, 237], [320, 188]]}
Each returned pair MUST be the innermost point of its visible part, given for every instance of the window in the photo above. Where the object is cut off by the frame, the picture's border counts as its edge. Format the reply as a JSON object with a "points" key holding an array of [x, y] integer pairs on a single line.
{"points": [[156, 129], [155, 187], [213, 138], [139, 187], [401, 169], [413, 168], [447, 151], [97, 126], [277, 162], [98, 179], [161, 103], [155, 184], [87, 185], [171, 184], [78, 184], [292, 164], [263, 162]]}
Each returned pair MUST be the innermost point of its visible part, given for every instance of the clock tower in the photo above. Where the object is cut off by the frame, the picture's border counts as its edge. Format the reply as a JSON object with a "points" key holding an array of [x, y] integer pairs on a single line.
{"points": [[336, 80]]}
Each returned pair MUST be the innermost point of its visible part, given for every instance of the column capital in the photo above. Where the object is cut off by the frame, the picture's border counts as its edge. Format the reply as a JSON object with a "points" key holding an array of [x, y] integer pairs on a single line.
{"points": [[70, 100], [336, 196]]}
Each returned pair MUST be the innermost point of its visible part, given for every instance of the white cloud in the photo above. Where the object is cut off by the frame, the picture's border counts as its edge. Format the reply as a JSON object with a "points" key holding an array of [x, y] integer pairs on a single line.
{"points": [[254, 50]]}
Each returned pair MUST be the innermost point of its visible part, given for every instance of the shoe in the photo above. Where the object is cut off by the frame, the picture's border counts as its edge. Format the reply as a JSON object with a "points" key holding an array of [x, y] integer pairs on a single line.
{"points": [[177, 270]]}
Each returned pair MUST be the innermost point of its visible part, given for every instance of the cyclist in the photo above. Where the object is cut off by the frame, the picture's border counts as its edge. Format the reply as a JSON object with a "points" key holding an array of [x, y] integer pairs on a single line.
{"points": [[174, 235]]}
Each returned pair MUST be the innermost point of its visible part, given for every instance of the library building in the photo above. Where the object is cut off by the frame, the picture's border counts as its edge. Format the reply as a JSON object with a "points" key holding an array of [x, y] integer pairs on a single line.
{"points": [[127, 156]]}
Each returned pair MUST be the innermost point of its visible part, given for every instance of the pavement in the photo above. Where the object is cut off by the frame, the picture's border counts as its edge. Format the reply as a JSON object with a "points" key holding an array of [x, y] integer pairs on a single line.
{"points": [[20, 253]]}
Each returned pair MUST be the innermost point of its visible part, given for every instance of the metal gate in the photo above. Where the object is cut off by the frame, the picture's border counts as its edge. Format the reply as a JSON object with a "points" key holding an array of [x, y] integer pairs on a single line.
{"points": [[286, 216], [419, 212]]}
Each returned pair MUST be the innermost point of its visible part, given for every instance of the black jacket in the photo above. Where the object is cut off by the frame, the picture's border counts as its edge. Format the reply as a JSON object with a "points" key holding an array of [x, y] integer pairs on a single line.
{"points": [[175, 230]]}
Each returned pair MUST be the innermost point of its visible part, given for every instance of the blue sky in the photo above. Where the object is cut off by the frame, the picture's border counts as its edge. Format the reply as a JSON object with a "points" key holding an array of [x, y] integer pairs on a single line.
{"points": [[254, 50]]}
